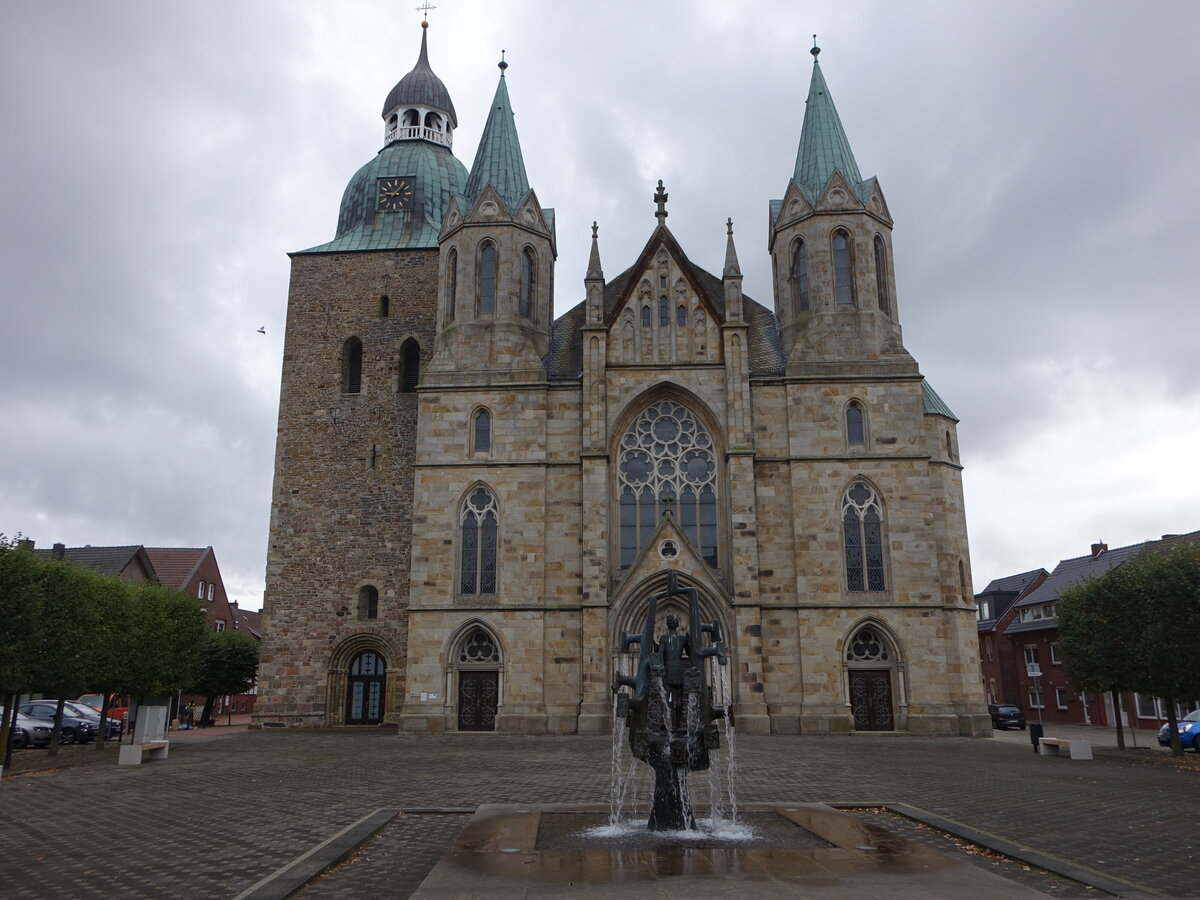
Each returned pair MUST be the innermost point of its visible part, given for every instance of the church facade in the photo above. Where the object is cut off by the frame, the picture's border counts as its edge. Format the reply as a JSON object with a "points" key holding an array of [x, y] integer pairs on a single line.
{"points": [[474, 499]]}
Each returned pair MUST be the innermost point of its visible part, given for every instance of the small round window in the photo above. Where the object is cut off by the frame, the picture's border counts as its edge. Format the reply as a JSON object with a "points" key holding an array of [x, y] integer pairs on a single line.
{"points": [[668, 549]]}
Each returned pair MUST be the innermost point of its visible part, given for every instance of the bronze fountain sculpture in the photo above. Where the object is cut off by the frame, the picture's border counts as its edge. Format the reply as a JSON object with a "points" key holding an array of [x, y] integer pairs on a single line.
{"points": [[671, 719]]}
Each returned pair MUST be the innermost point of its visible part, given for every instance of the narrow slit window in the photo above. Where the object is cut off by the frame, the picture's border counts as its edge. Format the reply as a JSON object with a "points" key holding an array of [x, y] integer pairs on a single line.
{"points": [[800, 276], [528, 282], [681, 316], [487, 279], [881, 277], [410, 366], [664, 312], [451, 284], [843, 269], [855, 426], [483, 432], [352, 353]]}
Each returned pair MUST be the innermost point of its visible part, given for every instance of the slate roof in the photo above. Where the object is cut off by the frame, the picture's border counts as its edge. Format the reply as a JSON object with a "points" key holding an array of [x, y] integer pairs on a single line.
{"points": [[498, 160], [176, 565], [248, 621], [1009, 585], [1072, 571], [421, 87], [934, 405], [105, 560]]}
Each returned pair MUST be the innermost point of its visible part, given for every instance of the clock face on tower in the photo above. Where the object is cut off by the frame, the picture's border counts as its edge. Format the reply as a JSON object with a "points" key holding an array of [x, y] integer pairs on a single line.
{"points": [[395, 193]]}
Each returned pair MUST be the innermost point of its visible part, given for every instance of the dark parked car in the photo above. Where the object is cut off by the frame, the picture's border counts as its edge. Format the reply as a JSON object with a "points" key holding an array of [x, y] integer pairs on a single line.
{"points": [[83, 711], [1005, 716], [73, 727], [1189, 732]]}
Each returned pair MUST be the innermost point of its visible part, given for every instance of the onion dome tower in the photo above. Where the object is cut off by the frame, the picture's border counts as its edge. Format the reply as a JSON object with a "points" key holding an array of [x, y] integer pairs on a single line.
{"points": [[398, 199]]}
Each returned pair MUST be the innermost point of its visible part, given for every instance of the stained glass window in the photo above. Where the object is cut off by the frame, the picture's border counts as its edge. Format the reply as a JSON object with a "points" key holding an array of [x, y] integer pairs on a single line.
{"points": [[666, 460], [479, 523], [862, 526]]}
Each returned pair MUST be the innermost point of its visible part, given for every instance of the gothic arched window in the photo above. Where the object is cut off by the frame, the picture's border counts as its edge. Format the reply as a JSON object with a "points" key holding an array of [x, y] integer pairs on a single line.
{"points": [[479, 523], [368, 602], [487, 279], [681, 316], [799, 276], [843, 268], [666, 461], [881, 278], [352, 366], [410, 366], [664, 312], [856, 432], [645, 316], [481, 432], [528, 282], [862, 527], [451, 284]]}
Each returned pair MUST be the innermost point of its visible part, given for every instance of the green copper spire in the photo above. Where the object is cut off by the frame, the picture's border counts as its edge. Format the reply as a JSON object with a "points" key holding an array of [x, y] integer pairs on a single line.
{"points": [[823, 144], [498, 160]]}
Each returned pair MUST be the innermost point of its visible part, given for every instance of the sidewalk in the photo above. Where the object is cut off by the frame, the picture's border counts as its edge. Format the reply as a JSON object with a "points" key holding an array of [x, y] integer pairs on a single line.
{"points": [[1097, 735]]}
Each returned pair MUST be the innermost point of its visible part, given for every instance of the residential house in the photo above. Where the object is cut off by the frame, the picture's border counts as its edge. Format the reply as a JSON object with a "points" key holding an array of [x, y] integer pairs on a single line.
{"points": [[997, 661]]}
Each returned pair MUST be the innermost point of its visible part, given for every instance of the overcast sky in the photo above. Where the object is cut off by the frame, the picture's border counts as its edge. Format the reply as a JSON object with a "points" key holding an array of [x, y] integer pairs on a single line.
{"points": [[1041, 160]]}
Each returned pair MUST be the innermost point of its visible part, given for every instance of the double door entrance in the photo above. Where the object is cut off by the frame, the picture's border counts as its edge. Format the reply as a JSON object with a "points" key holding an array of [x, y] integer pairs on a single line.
{"points": [[871, 699], [478, 694]]}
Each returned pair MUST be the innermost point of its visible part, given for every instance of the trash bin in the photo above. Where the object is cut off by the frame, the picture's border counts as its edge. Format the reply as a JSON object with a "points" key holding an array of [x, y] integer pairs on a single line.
{"points": [[1035, 734]]}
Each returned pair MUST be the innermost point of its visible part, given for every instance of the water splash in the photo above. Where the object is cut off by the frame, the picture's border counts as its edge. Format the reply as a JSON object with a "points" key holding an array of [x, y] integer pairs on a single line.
{"points": [[730, 744]]}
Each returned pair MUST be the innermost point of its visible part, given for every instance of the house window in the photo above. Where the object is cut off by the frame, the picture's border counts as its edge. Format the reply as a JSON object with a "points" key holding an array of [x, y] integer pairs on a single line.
{"points": [[352, 352], [211, 589], [410, 366], [855, 425], [1031, 654], [1035, 696], [881, 279], [368, 602], [667, 462], [1149, 706], [487, 280], [201, 592], [799, 276], [219, 625], [481, 428], [984, 611], [987, 648], [843, 269], [862, 527], [1060, 698], [528, 282], [451, 284], [479, 524], [1054, 657]]}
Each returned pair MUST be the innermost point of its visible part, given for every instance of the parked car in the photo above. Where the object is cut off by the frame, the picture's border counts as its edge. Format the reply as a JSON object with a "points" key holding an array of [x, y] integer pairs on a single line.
{"points": [[83, 711], [28, 732], [73, 727], [118, 704], [1005, 716], [1189, 732]]}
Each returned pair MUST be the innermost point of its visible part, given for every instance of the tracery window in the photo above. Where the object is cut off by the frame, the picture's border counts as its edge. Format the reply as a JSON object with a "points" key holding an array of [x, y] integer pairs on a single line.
{"points": [[479, 524], [855, 423], [881, 278], [862, 527], [843, 273], [528, 282], [867, 646], [666, 460], [478, 648], [800, 276], [487, 279], [352, 366]]}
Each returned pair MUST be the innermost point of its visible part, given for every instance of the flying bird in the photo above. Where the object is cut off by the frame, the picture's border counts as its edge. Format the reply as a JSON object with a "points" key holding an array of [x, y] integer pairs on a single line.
{"points": [[262, 329]]}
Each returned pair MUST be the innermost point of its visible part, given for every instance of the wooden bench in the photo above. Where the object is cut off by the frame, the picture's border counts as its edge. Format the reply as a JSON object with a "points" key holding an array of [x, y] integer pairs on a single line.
{"points": [[1054, 747], [131, 754]]}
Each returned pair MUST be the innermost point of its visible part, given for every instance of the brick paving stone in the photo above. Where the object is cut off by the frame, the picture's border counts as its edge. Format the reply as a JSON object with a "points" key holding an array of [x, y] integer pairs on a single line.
{"points": [[219, 815]]}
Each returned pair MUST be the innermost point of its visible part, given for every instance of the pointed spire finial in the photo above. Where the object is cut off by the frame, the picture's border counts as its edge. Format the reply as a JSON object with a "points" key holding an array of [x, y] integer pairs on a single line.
{"points": [[815, 51], [660, 197], [502, 64], [424, 9], [729, 227], [593, 269], [732, 269]]}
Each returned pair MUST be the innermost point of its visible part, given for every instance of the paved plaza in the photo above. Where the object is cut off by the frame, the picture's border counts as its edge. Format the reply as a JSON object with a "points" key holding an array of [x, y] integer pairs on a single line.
{"points": [[224, 812]]}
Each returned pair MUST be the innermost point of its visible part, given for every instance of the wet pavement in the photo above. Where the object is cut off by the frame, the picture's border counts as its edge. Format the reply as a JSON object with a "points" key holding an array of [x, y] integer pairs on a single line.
{"points": [[228, 809]]}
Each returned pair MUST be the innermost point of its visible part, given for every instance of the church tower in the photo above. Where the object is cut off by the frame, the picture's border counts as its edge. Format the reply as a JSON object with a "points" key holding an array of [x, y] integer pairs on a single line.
{"points": [[831, 252], [362, 316]]}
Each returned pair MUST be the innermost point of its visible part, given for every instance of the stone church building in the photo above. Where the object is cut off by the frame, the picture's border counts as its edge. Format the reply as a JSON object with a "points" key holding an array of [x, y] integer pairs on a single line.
{"points": [[473, 499]]}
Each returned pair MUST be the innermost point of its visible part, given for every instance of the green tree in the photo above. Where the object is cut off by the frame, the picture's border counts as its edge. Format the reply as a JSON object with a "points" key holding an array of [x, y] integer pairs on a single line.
{"points": [[20, 636], [228, 664]]}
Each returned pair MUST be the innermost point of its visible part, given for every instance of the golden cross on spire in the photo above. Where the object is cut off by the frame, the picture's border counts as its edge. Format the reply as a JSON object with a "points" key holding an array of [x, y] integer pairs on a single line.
{"points": [[424, 9]]}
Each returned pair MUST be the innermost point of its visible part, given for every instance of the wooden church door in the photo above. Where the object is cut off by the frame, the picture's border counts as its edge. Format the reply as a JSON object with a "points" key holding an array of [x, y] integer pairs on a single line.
{"points": [[871, 699], [478, 692]]}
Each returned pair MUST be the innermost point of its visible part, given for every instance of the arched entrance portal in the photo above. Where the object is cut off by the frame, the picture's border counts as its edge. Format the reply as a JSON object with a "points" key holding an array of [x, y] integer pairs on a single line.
{"points": [[871, 679], [365, 689], [477, 663]]}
